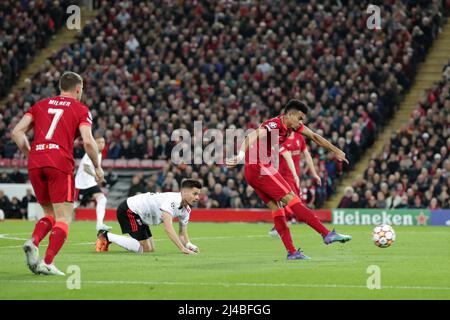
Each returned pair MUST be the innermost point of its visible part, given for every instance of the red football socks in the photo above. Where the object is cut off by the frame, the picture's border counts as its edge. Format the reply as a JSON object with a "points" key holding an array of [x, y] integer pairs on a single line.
{"points": [[304, 214], [289, 213], [42, 228], [57, 239], [283, 230]]}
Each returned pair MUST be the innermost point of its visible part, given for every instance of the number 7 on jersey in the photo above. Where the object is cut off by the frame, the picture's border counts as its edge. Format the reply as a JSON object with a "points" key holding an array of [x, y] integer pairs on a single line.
{"points": [[58, 114]]}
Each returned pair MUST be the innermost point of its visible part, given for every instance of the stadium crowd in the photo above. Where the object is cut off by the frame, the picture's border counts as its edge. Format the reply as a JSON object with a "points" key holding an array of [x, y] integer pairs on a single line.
{"points": [[151, 68], [413, 170], [25, 28], [15, 208]]}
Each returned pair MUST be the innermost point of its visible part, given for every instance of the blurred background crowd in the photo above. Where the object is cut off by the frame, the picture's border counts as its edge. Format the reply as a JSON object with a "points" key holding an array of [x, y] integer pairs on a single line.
{"points": [[413, 170], [152, 67]]}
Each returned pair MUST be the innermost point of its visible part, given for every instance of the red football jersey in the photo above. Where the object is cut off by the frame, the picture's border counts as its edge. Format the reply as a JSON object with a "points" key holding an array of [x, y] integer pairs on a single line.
{"points": [[296, 145], [56, 123], [261, 151]]}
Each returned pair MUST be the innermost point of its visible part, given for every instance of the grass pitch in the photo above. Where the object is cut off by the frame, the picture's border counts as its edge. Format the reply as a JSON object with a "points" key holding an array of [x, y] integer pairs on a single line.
{"points": [[237, 261]]}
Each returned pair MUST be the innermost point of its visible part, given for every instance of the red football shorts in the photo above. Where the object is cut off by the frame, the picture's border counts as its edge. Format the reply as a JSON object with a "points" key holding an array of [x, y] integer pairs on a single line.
{"points": [[268, 183], [52, 185]]}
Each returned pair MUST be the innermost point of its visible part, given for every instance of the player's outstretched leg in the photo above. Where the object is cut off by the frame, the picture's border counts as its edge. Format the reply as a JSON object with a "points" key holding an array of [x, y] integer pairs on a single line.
{"points": [[100, 209], [333, 236], [306, 215], [104, 238]]}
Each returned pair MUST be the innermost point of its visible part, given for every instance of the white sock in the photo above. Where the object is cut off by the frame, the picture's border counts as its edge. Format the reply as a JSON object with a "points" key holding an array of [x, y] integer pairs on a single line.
{"points": [[127, 243], [100, 209]]}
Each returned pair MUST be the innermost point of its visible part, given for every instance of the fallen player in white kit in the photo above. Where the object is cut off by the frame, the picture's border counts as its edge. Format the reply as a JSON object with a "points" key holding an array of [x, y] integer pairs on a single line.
{"points": [[138, 212]]}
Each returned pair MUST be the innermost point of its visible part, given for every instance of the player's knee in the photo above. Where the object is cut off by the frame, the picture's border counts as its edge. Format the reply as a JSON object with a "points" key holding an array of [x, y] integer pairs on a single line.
{"points": [[49, 213], [272, 206], [101, 199], [63, 216], [48, 209], [64, 219], [287, 198]]}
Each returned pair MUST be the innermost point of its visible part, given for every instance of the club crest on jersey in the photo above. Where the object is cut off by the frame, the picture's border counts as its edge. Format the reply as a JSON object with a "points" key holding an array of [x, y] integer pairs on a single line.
{"points": [[172, 205], [273, 125]]}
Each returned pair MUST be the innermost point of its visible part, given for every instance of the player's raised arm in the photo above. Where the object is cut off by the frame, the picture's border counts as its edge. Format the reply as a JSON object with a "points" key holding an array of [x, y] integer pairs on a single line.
{"points": [[168, 227], [185, 238], [19, 133], [321, 141], [90, 146], [248, 141]]}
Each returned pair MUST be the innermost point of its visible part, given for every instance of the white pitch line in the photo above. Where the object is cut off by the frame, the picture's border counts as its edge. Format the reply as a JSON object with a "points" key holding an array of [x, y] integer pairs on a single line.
{"points": [[6, 236], [229, 284], [17, 233]]}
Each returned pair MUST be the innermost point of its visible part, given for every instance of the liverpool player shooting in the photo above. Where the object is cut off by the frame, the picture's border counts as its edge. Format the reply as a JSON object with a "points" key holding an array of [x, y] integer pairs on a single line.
{"points": [[270, 185]]}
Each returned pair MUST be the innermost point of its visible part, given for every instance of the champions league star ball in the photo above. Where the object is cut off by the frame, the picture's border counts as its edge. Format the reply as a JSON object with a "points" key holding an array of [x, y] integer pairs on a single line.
{"points": [[383, 236]]}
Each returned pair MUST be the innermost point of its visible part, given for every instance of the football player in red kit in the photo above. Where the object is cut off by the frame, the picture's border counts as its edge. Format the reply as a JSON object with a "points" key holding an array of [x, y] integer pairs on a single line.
{"points": [[289, 168], [57, 122], [270, 185]]}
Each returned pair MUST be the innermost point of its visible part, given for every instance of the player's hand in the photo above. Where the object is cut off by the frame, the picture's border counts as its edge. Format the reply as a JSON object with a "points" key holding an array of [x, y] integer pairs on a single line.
{"points": [[232, 162], [26, 151], [340, 156], [99, 174], [192, 247], [187, 251], [316, 179]]}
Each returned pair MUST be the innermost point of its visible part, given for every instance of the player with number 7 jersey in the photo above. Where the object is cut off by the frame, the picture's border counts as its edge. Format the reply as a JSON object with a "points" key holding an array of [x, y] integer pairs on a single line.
{"points": [[57, 122]]}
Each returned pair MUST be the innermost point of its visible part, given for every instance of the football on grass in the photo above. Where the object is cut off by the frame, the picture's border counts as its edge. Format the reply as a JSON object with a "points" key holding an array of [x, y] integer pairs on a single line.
{"points": [[383, 236]]}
